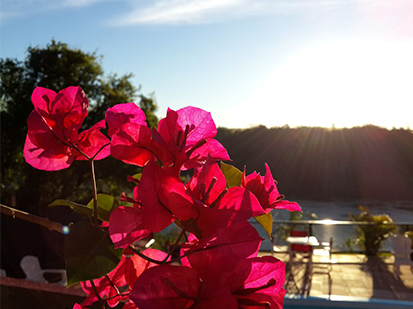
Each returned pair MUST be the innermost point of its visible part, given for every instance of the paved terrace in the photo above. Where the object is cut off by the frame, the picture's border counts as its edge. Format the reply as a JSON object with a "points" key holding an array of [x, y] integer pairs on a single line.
{"points": [[350, 275]]}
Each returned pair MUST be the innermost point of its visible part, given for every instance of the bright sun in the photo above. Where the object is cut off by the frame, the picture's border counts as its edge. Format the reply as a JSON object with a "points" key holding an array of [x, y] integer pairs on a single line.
{"points": [[343, 84]]}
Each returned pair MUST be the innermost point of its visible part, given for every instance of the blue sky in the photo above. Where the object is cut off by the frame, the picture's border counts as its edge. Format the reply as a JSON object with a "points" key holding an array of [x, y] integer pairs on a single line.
{"points": [[249, 62]]}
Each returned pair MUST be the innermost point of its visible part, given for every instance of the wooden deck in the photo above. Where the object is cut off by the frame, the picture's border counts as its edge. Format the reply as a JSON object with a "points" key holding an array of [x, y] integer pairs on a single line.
{"points": [[352, 275]]}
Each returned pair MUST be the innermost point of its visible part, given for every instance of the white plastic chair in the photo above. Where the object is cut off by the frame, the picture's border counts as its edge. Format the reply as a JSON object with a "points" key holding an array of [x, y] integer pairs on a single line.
{"points": [[324, 264], [324, 253], [402, 249], [31, 267]]}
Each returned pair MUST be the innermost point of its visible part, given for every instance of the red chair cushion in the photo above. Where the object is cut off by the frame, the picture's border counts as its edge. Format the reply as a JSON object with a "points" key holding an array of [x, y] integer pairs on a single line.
{"points": [[300, 248]]}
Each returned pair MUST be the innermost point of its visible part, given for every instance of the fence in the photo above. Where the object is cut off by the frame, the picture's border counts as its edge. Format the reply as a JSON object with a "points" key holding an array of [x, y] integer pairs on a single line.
{"points": [[342, 232]]}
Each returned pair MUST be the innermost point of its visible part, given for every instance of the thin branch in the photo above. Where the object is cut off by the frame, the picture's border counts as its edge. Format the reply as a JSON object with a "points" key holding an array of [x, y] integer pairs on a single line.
{"points": [[117, 295], [112, 284], [137, 252], [15, 213], [95, 195], [175, 244], [101, 301], [101, 148], [74, 146]]}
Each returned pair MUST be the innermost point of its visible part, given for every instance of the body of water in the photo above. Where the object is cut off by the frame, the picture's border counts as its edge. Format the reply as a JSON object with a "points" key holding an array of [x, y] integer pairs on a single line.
{"points": [[399, 211]]}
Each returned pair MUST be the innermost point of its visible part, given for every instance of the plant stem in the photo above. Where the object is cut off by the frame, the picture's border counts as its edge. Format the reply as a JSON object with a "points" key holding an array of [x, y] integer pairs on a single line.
{"points": [[175, 244], [101, 148], [51, 225], [137, 252], [112, 284], [101, 301], [95, 195]]}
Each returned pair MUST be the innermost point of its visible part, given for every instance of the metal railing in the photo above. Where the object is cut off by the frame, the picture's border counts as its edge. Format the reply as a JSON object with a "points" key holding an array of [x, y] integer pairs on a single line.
{"points": [[327, 229]]}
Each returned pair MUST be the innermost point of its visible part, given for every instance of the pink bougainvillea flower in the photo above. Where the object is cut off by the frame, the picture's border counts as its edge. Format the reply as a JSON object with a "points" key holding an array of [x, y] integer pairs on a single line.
{"points": [[178, 287], [188, 134], [131, 138], [184, 137], [237, 205], [201, 125], [197, 156], [240, 204], [252, 281], [166, 286], [132, 144], [104, 288], [255, 282], [208, 182], [219, 251], [264, 275], [129, 305], [42, 149], [213, 295], [134, 266], [220, 207], [53, 141], [63, 111], [265, 189], [259, 301], [126, 225], [120, 114], [92, 140], [123, 277], [163, 197], [159, 199]]}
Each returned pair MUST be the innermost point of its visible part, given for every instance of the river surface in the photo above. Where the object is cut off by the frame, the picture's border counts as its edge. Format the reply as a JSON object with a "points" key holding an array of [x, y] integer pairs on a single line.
{"points": [[399, 211]]}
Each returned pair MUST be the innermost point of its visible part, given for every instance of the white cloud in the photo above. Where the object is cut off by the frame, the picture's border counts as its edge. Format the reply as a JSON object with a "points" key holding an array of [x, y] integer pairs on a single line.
{"points": [[177, 11], [193, 11], [207, 11], [172, 11]]}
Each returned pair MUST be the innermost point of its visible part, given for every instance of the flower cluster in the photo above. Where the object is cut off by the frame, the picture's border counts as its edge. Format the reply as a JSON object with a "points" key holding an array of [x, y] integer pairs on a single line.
{"points": [[217, 264]]}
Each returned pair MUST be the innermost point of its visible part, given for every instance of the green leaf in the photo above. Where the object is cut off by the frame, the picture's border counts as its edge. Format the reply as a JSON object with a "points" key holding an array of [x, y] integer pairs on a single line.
{"points": [[232, 175], [89, 253], [266, 222], [78, 208], [106, 204], [138, 176]]}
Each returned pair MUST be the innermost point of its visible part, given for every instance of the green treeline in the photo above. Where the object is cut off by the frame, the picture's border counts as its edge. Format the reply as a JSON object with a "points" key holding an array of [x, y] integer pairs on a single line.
{"points": [[319, 163]]}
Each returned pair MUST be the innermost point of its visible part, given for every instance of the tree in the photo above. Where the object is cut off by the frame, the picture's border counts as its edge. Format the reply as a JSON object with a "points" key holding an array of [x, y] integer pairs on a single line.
{"points": [[56, 66]]}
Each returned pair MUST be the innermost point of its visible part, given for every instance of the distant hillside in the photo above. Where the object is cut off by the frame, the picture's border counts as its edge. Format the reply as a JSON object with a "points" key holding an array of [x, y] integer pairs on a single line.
{"points": [[318, 163]]}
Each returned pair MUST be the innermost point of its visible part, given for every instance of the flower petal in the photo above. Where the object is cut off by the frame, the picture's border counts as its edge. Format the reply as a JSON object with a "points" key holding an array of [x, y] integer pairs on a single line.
{"points": [[207, 183], [42, 149], [157, 215], [211, 148], [132, 144], [218, 252], [65, 110], [120, 114], [201, 125], [92, 141], [166, 286], [126, 226]]}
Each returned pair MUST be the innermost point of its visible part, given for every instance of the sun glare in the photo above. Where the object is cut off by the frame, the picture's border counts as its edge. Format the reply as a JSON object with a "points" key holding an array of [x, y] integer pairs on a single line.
{"points": [[342, 84]]}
